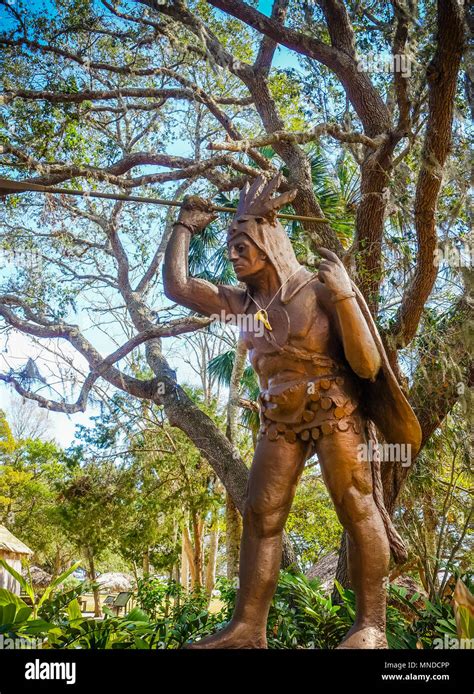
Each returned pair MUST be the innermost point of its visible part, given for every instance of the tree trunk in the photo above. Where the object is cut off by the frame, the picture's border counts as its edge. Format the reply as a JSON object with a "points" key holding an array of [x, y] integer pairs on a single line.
{"points": [[188, 547], [146, 564], [212, 557], [197, 550], [57, 563], [184, 576], [342, 571], [93, 577], [135, 572], [233, 523]]}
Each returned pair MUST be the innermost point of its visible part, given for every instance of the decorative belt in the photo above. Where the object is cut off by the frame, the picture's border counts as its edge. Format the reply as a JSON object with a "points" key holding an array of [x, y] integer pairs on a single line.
{"points": [[307, 408]]}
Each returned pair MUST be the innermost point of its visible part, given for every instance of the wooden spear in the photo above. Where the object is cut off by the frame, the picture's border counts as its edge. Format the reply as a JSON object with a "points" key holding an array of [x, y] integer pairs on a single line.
{"points": [[11, 187]]}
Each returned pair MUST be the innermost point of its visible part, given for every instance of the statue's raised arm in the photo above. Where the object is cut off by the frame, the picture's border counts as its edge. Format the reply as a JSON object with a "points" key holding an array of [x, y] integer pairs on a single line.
{"points": [[194, 293]]}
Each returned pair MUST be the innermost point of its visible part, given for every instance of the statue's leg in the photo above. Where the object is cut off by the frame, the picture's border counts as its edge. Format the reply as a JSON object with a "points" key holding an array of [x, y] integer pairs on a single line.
{"points": [[349, 481], [274, 475]]}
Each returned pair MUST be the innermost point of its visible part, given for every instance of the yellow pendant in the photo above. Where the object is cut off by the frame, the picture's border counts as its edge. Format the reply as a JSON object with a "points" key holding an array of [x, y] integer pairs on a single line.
{"points": [[262, 315]]}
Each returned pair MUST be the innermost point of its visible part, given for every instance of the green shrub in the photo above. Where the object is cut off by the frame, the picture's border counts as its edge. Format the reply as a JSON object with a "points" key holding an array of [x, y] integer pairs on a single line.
{"points": [[301, 616]]}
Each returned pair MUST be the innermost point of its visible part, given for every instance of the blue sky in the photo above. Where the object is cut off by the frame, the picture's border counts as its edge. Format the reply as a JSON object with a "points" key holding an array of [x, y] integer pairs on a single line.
{"points": [[18, 347]]}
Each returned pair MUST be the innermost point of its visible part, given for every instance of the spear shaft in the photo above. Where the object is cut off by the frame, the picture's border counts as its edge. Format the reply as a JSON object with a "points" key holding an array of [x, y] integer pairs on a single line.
{"points": [[12, 187]]}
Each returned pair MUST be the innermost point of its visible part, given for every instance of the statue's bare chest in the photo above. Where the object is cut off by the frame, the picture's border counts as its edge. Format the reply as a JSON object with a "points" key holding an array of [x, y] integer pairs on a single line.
{"points": [[301, 323]]}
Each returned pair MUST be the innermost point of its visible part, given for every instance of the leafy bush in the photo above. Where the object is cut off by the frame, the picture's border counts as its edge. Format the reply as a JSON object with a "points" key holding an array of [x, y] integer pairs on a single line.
{"points": [[28, 588], [301, 616], [155, 595], [14, 612], [435, 620]]}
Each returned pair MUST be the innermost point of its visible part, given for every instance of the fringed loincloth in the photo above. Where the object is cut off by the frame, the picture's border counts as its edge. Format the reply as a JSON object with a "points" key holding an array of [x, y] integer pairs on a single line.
{"points": [[308, 408]]}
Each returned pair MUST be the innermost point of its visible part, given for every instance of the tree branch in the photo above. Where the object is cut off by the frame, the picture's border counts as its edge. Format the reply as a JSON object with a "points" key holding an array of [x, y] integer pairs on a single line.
{"points": [[71, 333], [268, 46], [365, 99], [68, 408], [403, 17], [442, 77], [331, 129], [113, 174]]}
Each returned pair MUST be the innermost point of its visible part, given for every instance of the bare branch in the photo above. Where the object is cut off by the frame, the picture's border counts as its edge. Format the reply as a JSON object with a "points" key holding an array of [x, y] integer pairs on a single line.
{"points": [[213, 49], [46, 329], [400, 78], [299, 138], [150, 272], [69, 408], [267, 45], [108, 94], [366, 100], [442, 77], [128, 70], [186, 168]]}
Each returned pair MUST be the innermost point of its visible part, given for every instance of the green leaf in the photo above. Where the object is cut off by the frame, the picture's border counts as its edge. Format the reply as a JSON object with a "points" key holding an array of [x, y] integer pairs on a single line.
{"points": [[18, 577], [13, 611], [57, 581], [449, 625], [8, 614], [137, 615], [74, 611], [6, 597]]}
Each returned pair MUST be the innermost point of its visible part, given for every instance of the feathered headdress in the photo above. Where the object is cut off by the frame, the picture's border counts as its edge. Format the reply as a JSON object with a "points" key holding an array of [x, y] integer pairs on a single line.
{"points": [[256, 200], [258, 210]]}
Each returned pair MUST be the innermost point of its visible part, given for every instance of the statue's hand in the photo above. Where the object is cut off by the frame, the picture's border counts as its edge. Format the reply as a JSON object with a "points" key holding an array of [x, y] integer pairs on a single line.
{"points": [[332, 273], [196, 213]]}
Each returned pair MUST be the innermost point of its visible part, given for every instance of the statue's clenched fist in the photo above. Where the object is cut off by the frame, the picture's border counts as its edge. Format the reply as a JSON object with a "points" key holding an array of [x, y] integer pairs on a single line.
{"points": [[196, 213], [333, 273]]}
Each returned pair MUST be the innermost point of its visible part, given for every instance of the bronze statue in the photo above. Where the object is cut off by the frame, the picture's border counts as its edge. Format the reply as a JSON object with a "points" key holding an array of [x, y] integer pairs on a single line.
{"points": [[325, 382]]}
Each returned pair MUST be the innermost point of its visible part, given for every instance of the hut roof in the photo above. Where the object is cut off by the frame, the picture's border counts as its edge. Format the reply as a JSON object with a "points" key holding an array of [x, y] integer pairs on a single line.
{"points": [[410, 585], [10, 543], [39, 577], [325, 570], [115, 581]]}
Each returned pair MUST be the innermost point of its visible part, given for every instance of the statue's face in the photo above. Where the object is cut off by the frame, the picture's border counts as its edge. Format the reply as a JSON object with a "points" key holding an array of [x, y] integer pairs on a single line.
{"points": [[246, 257]]}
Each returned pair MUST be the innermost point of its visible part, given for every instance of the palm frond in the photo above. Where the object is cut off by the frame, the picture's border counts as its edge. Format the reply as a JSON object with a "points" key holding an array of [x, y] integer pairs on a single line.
{"points": [[220, 367]]}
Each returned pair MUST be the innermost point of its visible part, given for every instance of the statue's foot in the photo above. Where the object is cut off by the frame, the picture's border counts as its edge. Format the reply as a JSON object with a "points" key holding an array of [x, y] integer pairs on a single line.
{"points": [[234, 635], [364, 637]]}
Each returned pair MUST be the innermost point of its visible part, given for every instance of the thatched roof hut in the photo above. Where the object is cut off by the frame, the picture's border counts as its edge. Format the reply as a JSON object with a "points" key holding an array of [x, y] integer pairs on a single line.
{"points": [[39, 577], [412, 587], [12, 550], [325, 570], [115, 582]]}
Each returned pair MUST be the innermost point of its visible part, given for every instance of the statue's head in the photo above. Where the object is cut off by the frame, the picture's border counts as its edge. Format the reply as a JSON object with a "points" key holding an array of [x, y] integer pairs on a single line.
{"points": [[256, 238]]}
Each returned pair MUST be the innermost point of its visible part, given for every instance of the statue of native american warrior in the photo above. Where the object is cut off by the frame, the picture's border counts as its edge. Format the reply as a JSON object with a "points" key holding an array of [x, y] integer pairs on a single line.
{"points": [[326, 384]]}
